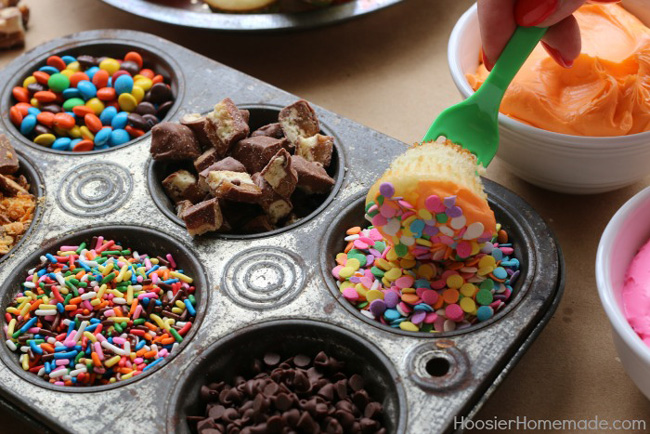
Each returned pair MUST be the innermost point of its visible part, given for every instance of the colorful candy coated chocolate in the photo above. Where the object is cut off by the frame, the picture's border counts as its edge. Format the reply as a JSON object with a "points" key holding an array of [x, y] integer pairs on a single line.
{"points": [[82, 85], [427, 294]]}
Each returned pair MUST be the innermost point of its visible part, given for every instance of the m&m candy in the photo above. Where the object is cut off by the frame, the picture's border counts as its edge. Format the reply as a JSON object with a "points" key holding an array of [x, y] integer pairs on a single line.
{"points": [[56, 100]]}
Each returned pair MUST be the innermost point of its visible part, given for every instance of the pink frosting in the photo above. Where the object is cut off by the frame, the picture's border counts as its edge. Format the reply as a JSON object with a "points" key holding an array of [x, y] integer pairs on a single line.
{"points": [[636, 293]]}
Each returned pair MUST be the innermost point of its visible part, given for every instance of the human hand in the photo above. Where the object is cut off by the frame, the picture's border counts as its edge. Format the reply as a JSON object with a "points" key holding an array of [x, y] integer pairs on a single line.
{"points": [[498, 20]]}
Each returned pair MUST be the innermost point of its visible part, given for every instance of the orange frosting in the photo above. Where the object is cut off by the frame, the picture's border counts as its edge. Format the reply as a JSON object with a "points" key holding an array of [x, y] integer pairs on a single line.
{"points": [[475, 209], [606, 93]]}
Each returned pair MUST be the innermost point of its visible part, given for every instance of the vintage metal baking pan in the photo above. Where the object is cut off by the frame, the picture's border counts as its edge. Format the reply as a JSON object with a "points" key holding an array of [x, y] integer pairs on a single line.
{"points": [[255, 288]]}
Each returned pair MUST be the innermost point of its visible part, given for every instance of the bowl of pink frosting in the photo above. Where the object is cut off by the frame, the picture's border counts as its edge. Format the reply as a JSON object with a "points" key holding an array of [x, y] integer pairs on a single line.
{"points": [[581, 130], [623, 279]]}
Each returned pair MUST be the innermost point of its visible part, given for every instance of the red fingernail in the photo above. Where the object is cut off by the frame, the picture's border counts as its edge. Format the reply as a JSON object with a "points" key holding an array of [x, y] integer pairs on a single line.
{"points": [[488, 64], [557, 56], [533, 12]]}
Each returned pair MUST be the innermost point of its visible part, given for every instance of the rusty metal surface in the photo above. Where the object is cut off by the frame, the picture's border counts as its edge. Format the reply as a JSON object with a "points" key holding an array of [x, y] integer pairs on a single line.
{"points": [[284, 276], [195, 13]]}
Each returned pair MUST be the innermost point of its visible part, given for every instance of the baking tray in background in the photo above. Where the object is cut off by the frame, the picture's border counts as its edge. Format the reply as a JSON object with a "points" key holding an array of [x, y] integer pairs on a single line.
{"points": [[301, 299], [195, 13]]}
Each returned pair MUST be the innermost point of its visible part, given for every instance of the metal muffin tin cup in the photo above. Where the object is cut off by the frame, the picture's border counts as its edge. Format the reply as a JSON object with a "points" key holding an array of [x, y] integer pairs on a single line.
{"points": [[33, 176], [233, 355], [528, 250], [140, 239], [272, 278], [260, 115], [152, 57]]}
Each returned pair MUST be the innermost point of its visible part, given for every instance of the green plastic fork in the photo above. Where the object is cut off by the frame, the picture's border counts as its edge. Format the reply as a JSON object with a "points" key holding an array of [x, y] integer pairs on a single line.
{"points": [[473, 123]]}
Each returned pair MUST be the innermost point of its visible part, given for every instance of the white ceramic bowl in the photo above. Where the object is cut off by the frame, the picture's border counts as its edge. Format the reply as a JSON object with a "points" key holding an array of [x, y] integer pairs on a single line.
{"points": [[559, 162], [625, 234]]}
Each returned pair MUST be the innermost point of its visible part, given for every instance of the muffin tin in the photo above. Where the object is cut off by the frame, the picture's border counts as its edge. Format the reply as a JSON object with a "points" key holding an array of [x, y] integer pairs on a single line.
{"points": [[259, 290]]}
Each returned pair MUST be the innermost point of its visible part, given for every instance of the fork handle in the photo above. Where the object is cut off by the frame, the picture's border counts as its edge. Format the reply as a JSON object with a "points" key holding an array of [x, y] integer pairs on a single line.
{"points": [[519, 47]]}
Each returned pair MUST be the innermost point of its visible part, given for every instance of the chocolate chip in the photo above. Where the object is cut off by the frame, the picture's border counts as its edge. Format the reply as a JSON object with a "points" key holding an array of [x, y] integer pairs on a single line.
{"points": [[360, 399], [333, 427], [373, 410], [345, 418], [342, 389], [283, 402], [346, 406], [368, 425], [301, 382], [257, 429], [230, 414], [270, 389], [261, 403], [271, 359], [225, 397], [356, 382], [306, 423], [208, 394], [327, 391], [250, 388], [274, 424], [291, 417], [321, 410], [205, 425], [301, 361], [216, 411]]}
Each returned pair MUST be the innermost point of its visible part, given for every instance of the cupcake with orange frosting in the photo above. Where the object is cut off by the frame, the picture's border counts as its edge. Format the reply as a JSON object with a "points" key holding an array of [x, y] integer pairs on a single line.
{"points": [[430, 203]]}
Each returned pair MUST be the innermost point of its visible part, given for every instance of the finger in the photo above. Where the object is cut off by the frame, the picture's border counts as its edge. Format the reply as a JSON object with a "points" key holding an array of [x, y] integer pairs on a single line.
{"points": [[562, 41], [544, 13], [497, 24]]}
